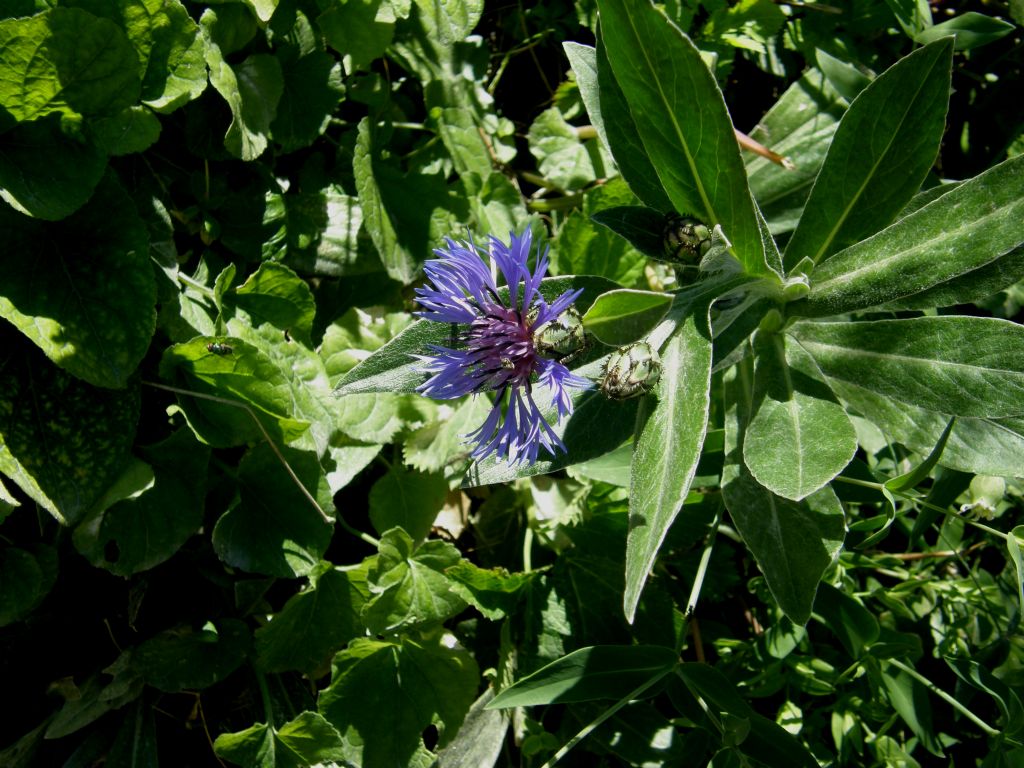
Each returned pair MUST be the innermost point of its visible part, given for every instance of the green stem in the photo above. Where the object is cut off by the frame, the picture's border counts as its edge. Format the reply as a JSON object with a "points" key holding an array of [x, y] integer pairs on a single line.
{"points": [[945, 697], [702, 568], [268, 706], [205, 290], [556, 204]]}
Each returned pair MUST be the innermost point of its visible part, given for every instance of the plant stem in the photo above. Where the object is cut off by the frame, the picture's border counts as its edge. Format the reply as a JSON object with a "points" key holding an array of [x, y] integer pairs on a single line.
{"points": [[268, 705], [945, 697]]}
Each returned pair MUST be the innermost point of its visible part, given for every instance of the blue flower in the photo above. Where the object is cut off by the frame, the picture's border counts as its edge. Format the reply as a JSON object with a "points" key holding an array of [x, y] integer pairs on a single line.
{"points": [[496, 350]]}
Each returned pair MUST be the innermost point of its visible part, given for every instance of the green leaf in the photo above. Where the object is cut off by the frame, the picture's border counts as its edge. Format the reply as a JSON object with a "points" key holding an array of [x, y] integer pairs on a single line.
{"points": [[392, 369], [583, 248], [360, 30], [307, 740], [970, 366], [622, 317], [920, 473], [274, 529], [408, 584], [603, 96], [799, 126], [793, 408], [977, 676], [683, 122], [1013, 546], [142, 531], [313, 88], [177, 660], [561, 157], [909, 698], [463, 137], [494, 592], [136, 743], [46, 173], [97, 330], [26, 577], [882, 150], [979, 446], [174, 48], [847, 79], [62, 441], [598, 672], [252, 90], [642, 227], [969, 30], [441, 443], [239, 373], [854, 625], [65, 60], [410, 500], [315, 623], [274, 294], [794, 542], [132, 130], [961, 247], [401, 688]]}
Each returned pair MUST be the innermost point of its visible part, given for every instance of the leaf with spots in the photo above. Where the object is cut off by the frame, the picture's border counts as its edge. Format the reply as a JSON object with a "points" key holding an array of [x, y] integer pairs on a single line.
{"points": [[144, 530], [62, 441], [96, 329]]}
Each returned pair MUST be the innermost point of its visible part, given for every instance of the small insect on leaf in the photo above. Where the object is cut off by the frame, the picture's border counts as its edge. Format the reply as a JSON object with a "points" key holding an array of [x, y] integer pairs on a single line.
{"points": [[219, 349]]}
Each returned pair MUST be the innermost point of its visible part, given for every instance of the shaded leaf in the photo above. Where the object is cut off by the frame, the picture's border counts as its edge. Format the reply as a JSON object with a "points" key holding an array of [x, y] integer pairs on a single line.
{"points": [[177, 660], [410, 500]]}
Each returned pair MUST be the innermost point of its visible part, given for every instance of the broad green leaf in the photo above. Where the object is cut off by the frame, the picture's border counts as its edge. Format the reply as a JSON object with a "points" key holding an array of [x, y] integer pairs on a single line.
{"points": [[494, 592], [131, 130], [274, 529], [845, 78], [96, 329], [441, 443], [238, 372], [562, 158], [464, 138], [410, 500], [583, 248], [598, 672], [274, 294], [979, 446], [177, 660], [140, 532], [881, 152], [622, 317], [408, 585], [969, 30], [799, 126], [25, 579], [360, 30], [494, 201], [854, 625], [748, 25], [392, 369], [682, 120], [969, 366], [315, 623], [136, 742], [313, 88], [252, 89], [174, 47], [68, 61], [45, 172], [307, 740], [961, 247], [62, 441], [794, 542], [402, 687], [670, 434], [909, 698], [799, 436]]}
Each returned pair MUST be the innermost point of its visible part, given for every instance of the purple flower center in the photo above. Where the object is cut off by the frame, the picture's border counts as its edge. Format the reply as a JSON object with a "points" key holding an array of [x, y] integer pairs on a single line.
{"points": [[502, 343]]}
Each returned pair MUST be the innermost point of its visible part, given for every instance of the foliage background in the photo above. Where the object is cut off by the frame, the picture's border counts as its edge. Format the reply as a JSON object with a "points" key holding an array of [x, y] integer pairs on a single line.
{"points": [[234, 200]]}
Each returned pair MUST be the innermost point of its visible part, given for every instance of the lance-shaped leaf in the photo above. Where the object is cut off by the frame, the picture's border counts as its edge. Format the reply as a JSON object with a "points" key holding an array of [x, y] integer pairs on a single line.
{"points": [[668, 445], [799, 436], [602, 96], [882, 150], [621, 317], [97, 329], [961, 247], [968, 366], [599, 672], [794, 542], [682, 119]]}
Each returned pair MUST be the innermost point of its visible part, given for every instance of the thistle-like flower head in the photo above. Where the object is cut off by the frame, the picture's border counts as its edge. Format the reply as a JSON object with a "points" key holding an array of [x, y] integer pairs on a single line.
{"points": [[494, 348]]}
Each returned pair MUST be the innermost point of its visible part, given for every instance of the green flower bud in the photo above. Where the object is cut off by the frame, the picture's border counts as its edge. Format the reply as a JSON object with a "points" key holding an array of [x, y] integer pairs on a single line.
{"points": [[630, 371], [685, 240], [561, 339]]}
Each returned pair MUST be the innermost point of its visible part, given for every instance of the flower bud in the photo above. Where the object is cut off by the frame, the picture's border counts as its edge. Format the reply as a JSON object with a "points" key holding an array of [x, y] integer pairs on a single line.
{"points": [[561, 338], [630, 371], [685, 240]]}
